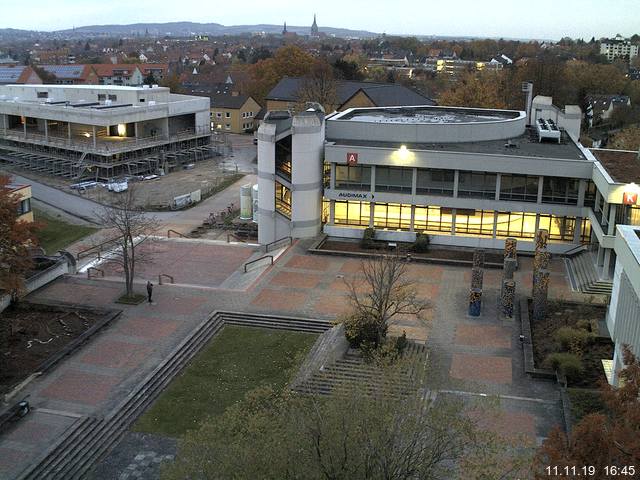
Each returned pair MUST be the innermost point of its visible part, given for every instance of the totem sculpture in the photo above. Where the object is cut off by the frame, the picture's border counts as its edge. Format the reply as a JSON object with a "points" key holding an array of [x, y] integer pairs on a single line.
{"points": [[508, 287], [541, 289], [477, 276]]}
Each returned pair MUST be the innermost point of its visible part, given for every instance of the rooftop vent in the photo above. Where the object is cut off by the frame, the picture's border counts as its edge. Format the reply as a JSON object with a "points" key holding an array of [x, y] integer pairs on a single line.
{"points": [[277, 115], [547, 129]]}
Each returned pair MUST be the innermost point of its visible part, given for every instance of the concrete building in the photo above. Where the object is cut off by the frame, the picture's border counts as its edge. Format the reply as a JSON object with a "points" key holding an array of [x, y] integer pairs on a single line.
{"points": [[623, 316], [23, 194], [466, 177], [101, 131], [232, 112], [618, 47]]}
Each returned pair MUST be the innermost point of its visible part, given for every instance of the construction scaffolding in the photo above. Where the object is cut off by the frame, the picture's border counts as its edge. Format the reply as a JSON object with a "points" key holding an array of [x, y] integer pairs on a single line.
{"points": [[165, 156]]}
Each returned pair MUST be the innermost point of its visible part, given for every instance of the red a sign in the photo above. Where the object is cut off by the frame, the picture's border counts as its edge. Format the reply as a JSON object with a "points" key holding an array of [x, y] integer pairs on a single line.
{"points": [[629, 198], [352, 158]]}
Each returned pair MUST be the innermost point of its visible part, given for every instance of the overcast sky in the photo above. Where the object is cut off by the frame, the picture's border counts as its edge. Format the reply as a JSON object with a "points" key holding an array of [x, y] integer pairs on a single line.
{"points": [[545, 19]]}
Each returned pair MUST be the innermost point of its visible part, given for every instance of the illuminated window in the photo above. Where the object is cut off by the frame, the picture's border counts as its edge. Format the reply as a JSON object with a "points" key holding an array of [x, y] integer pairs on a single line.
{"points": [[283, 200], [392, 215], [432, 220], [516, 224], [351, 213], [560, 228], [474, 222], [585, 234]]}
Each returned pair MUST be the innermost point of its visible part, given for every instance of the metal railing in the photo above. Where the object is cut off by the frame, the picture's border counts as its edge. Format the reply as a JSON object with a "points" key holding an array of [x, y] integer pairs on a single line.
{"points": [[94, 269], [229, 235], [257, 260], [575, 249], [171, 230], [270, 244], [163, 275], [99, 248]]}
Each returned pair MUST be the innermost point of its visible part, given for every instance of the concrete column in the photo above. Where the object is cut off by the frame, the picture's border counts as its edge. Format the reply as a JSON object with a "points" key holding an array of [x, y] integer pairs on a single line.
{"points": [[456, 179], [578, 230], [597, 200], [93, 130], [46, 130], [69, 130], [495, 224], [540, 187], [372, 207], [414, 187], [24, 127], [332, 210], [332, 181], [453, 219], [612, 219], [413, 217], [600, 256], [135, 130], [373, 180], [582, 188], [606, 263], [498, 181]]}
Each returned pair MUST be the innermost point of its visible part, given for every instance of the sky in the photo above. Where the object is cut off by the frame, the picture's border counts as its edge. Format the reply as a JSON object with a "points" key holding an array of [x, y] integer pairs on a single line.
{"points": [[539, 19]]}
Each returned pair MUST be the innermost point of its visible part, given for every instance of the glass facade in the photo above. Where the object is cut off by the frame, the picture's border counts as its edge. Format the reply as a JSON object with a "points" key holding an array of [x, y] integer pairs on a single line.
{"points": [[435, 182], [560, 228], [516, 224], [393, 216], [352, 213], [523, 188], [590, 194], [353, 178], [433, 220], [394, 179], [477, 184], [474, 222], [283, 200], [560, 190]]}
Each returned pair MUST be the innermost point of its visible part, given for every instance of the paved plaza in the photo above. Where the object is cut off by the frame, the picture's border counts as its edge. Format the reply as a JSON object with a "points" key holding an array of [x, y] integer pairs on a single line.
{"points": [[471, 357]]}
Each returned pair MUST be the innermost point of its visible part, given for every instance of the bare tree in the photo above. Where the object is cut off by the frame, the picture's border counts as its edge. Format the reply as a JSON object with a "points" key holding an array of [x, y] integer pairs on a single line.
{"points": [[384, 291], [133, 226], [319, 86]]}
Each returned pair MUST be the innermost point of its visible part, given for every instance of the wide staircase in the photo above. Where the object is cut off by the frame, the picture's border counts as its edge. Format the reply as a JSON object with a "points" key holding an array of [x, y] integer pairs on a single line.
{"points": [[582, 270], [352, 370]]}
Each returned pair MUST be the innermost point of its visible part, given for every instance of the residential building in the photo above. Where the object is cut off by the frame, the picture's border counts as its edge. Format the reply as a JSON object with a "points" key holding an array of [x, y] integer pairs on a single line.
{"points": [[158, 71], [618, 47], [100, 131], [623, 315], [232, 112], [125, 74], [18, 74], [23, 194], [600, 107], [71, 74], [466, 177], [286, 95]]}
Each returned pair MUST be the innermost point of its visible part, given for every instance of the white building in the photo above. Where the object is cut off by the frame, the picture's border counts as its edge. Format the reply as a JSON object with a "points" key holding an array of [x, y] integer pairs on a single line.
{"points": [[618, 47], [623, 316], [101, 131]]}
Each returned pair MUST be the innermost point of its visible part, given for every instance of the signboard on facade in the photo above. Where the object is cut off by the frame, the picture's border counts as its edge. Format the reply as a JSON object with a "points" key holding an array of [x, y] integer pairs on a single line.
{"points": [[354, 195], [629, 198], [352, 159]]}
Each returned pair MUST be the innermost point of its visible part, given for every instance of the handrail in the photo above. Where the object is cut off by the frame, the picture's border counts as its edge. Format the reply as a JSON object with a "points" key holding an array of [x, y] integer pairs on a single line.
{"points": [[573, 250], [182, 235], [79, 255], [256, 260], [234, 236], [164, 275], [266, 247], [96, 269]]}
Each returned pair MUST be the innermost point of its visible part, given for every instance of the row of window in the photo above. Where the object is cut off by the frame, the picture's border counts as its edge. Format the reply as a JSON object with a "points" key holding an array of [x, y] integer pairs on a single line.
{"points": [[228, 114], [24, 206], [465, 222], [471, 184]]}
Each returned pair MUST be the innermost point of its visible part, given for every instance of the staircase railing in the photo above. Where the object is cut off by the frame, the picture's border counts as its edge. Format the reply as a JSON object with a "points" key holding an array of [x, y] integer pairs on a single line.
{"points": [[163, 275], [171, 230], [94, 269], [270, 257], [574, 250], [270, 244]]}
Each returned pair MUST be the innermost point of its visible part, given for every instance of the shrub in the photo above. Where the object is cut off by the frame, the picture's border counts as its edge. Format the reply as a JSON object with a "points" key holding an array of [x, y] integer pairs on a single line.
{"points": [[565, 363], [368, 238], [572, 339], [359, 330], [421, 245], [401, 343]]}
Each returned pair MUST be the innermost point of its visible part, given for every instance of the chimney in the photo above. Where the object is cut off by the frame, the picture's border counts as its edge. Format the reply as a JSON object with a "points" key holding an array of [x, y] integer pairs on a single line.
{"points": [[235, 93]]}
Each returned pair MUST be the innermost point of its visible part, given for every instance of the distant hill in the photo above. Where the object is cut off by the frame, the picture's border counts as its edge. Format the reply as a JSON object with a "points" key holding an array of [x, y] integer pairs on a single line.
{"points": [[178, 29]]}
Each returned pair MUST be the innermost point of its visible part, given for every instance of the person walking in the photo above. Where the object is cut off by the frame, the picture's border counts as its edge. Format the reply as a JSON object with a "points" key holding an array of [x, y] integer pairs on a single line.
{"points": [[149, 290]]}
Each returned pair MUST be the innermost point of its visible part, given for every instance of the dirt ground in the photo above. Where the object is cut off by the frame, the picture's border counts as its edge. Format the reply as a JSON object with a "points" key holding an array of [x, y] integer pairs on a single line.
{"points": [[36, 334]]}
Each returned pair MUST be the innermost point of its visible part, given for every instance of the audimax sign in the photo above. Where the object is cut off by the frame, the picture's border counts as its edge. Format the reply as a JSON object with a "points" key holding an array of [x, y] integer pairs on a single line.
{"points": [[354, 195]]}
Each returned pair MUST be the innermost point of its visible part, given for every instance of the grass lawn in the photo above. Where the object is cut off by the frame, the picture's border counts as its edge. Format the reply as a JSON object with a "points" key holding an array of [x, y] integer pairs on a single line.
{"points": [[238, 360], [56, 234]]}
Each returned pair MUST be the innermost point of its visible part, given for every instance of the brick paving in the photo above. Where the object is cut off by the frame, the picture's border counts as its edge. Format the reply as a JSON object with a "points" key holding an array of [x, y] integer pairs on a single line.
{"points": [[470, 356]]}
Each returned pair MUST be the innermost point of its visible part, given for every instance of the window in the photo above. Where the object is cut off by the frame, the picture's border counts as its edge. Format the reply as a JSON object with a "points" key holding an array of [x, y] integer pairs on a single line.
{"points": [[353, 178], [218, 114], [560, 190], [392, 215], [519, 187], [244, 115], [590, 194], [394, 179], [436, 182], [516, 224], [43, 94], [227, 114], [142, 100], [283, 200], [24, 206], [432, 220], [560, 228], [474, 222], [227, 126], [102, 97], [476, 184], [112, 97], [351, 213]]}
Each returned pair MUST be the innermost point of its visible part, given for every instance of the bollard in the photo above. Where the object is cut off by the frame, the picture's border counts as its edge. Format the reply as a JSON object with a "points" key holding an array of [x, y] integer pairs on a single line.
{"points": [[475, 302], [508, 295]]}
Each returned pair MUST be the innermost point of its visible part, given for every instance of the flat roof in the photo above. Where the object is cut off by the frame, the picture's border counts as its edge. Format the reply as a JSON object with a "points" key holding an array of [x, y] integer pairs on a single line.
{"points": [[85, 87], [523, 146], [423, 114], [622, 165]]}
